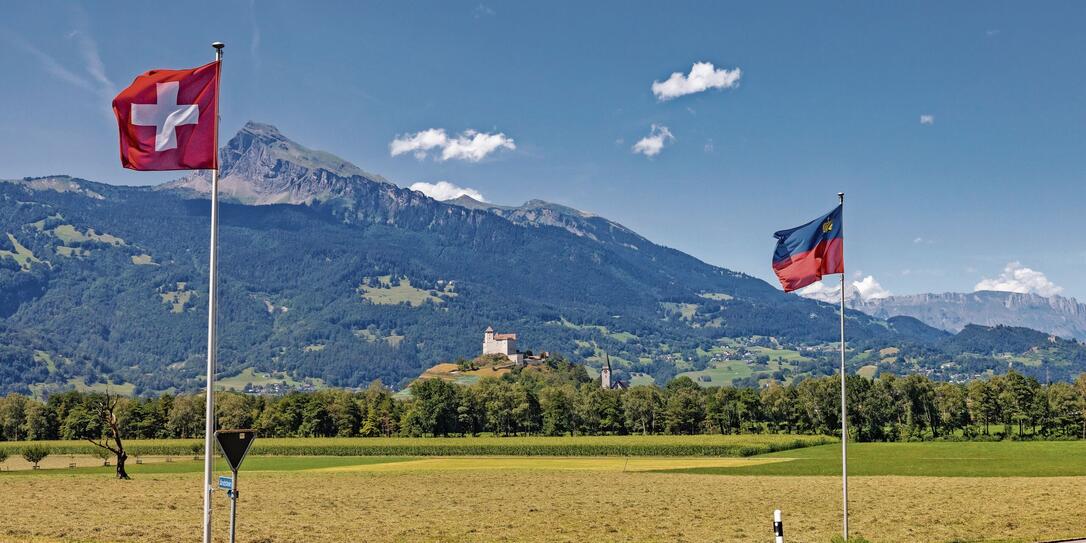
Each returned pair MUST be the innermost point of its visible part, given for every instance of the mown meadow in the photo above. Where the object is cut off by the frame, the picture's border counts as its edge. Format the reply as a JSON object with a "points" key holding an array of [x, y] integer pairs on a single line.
{"points": [[942, 491]]}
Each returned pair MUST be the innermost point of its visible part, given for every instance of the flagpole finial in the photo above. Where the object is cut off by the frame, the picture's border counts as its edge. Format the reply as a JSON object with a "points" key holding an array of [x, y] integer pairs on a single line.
{"points": [[218, 45], [841, 197]]}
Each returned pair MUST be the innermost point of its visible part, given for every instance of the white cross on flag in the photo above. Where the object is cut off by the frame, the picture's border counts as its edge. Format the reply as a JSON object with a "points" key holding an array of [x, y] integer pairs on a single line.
{"points": [[167, 120]]}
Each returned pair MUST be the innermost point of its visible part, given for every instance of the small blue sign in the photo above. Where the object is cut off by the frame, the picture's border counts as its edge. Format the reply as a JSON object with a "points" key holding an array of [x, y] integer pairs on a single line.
{"points": [[226, 482]]}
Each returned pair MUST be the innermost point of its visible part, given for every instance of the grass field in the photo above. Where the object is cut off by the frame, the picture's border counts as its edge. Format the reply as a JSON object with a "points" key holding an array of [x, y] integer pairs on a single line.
{"points": [[699, 445], [68, 234], [257, 378], [326, 499], [721, 373], [945, 492], [386, 294], [995, 459], [784, 354], [948, 459], [602, 330], [22, 256]]}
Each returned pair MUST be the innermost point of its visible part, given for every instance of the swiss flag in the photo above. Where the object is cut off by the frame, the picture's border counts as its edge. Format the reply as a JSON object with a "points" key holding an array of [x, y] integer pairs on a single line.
{"points": [[167, 120]]}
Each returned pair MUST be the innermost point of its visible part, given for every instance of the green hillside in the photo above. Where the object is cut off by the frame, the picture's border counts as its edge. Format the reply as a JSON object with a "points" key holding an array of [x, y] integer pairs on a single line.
{"points": [[373, 282]]}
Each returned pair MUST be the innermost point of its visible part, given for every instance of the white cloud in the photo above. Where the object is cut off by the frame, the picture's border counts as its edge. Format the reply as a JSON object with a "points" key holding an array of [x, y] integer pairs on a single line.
{"points": [[474, 146], [483, 11], [927, 120], [469, 145], [48, 63], [866, 289], [702, 77], [1018, 278], [88, 52], [870, 289], [821, 291], [652, 144], [444, 190], [254, 36], [98, 82], [418, 143]]}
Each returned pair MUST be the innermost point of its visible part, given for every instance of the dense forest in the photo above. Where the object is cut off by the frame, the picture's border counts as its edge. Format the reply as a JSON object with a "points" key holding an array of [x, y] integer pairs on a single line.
{"points": [[559, 398]]}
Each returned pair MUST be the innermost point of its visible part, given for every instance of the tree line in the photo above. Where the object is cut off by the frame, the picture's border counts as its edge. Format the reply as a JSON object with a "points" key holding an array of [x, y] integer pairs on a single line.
{"points": [[559, 398]]}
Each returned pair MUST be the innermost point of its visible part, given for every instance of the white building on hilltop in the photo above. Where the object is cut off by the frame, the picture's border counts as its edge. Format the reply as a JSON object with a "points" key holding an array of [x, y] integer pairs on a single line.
{"points": [[504, 344]]}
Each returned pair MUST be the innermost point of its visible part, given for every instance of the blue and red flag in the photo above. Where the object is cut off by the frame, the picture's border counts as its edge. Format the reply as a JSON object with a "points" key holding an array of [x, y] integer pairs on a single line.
{"points": [[805, 253]]}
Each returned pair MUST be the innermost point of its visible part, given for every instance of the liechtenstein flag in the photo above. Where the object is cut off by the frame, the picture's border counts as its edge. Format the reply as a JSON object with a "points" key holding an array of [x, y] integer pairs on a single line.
{"points": [[805, 253]]}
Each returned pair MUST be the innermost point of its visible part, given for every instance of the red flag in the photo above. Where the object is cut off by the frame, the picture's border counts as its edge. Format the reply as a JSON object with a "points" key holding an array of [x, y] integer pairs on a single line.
{"points": [[805, 253], [167, 120]]}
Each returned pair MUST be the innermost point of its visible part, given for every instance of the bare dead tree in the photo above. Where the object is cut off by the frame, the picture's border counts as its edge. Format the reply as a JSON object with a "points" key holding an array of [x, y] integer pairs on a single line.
{"points": [[109, 438]]}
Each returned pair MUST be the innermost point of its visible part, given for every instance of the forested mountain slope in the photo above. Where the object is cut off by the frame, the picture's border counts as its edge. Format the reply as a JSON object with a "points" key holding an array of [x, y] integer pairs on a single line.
{"points": [[333, 273]]}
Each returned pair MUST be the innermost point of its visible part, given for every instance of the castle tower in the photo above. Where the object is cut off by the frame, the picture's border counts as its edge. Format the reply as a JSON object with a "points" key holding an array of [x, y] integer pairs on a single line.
{"points": [[605, 373], [489, 346]]}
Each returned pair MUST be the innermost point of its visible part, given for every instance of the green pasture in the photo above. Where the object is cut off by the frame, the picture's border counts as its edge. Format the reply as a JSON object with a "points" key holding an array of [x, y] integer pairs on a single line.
{"points": [[658, 445], [404, 292], [721, 373], [940, 459], [931, 459], [258, 378], [787, 355]]}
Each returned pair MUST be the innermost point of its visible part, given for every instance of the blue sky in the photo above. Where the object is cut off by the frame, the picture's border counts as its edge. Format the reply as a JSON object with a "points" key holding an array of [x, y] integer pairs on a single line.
{"points": [[957, 130]]}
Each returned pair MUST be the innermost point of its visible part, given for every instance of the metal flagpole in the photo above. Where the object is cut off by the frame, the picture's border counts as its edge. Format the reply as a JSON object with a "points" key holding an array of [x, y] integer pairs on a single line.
{"points": [[844, 405], [209, 430]]}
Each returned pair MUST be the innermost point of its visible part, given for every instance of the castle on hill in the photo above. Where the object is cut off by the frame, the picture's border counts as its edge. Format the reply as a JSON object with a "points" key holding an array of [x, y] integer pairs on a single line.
{"points": [[504, 344]]}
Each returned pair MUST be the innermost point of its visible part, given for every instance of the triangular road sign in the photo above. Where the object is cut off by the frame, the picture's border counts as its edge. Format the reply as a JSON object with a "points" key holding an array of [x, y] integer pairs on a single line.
{"points": [[235, 445]]}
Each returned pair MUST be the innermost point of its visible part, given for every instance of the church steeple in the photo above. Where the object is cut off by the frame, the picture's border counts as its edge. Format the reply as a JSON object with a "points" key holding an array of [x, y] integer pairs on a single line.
{"points": [[605, 372]]}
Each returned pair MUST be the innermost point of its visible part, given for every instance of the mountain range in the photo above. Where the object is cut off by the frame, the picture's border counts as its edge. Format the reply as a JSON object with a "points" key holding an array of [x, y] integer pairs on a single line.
{"points": [[336, 275], [1064, 317]]}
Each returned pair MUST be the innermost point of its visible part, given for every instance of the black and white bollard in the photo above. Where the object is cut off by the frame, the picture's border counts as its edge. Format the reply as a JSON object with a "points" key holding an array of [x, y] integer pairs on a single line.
{"points": [[778, 527]]}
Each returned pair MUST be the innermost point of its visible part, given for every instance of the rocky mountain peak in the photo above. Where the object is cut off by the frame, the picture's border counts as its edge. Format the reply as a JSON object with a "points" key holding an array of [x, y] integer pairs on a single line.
{"points": [[468, 202], [537, 213], [556, 208], [259, 165]]}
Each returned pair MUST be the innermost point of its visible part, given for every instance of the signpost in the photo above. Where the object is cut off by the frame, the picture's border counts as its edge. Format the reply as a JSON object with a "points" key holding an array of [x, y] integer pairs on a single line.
{"points": [[234, 445]]}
